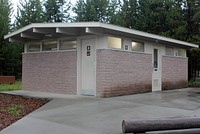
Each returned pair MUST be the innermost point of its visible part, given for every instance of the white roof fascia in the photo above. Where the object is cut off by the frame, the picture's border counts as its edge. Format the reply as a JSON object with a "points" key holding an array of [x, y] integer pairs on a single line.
{"points": [[18, 31], [148, 35], [53, 25], [102, 25]]}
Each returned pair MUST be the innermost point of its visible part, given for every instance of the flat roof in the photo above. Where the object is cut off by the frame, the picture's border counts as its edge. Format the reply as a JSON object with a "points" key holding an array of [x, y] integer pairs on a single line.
{"points": [[41, 31]]}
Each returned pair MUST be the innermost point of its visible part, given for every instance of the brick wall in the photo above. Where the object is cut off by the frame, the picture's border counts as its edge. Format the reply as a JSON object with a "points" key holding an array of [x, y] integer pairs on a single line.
{"points": [[50, 72], [174, 72], [123, 73]]}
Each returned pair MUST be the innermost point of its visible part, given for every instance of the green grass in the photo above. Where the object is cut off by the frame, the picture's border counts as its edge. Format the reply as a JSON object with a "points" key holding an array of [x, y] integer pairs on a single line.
{"points": [[15, 110], [11, 87], [195, 83]]}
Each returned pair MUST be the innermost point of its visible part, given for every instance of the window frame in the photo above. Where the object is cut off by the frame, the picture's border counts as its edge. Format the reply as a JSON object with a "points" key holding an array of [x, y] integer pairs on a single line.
{"points": [[116, 48], [42, 42], [139, 42], [172, 51], [31, 43], [59, 44]]}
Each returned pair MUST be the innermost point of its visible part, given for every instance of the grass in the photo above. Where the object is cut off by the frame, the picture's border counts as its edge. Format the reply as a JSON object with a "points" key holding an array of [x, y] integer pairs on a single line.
{"points": [[15, 110], [195, 83], [11, 87]]}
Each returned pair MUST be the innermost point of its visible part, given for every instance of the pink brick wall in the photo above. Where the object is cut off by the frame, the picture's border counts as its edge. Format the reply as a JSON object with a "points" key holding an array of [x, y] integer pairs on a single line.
{"points": [[50, 72], [174, 72], [123, 73]]}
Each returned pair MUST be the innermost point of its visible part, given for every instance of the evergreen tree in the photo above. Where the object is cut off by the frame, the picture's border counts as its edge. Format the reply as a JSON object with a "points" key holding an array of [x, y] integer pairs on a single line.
{"points": [[175, 21], [129, 13], [79, 10], [5, 14], [152, 16], [191, 14], [57, 10], [29, 12], [115, 15], [95, 10]]}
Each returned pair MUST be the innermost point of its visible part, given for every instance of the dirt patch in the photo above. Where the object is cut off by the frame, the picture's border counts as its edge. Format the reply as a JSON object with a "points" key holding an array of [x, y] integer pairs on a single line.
{"points": [[14, 107]]}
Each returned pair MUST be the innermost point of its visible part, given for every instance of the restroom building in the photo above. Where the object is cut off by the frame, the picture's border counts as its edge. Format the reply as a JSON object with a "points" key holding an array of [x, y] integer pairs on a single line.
{"points": [[92, 58]]}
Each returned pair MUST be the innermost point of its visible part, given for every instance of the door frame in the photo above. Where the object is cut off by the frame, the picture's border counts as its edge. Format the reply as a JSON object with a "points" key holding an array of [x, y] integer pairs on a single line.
{"points": [[157, 75], [79, 61]]}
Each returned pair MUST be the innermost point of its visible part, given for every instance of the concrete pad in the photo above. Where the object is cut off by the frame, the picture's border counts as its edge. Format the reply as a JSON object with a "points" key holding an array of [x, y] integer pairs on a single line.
{"points": [[40, 94], [30, 125], [182, 104], [76, 114]]}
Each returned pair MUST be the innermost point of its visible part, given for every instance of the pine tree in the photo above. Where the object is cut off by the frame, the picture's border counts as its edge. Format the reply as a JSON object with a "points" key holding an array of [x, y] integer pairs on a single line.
{"points": [[95, 10], [191, 13], [129, 12], [57, 10], [152, 16], [175, 21], [29, 12], [5, 15], [79, 10]]}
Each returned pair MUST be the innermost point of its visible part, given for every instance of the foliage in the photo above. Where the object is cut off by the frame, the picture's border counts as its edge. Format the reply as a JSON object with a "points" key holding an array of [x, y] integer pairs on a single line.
{"points": [[11, 87], [13, 59], [57, 10], [5, 13], [95, 10], [192, 26], [194, 83], [194, 63], [15, 110], [29, 11], [175, 28]]}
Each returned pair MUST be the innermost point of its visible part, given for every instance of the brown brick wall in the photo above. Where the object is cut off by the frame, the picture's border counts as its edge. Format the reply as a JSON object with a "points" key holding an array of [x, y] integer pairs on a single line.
{"points": [[174, 72], [50, 72], [123, 73]]}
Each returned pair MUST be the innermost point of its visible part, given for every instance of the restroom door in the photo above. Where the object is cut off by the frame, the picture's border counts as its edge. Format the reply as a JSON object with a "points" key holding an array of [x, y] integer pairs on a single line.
{"points": [[88, 66], [156, 73]]}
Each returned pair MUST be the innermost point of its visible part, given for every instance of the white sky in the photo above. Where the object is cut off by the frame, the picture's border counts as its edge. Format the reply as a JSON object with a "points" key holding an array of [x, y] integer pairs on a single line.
{"points": [[14, 6]]}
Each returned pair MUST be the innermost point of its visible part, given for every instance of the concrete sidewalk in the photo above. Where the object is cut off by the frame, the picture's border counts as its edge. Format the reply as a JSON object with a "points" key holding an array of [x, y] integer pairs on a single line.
{"points": [[67, 114]]}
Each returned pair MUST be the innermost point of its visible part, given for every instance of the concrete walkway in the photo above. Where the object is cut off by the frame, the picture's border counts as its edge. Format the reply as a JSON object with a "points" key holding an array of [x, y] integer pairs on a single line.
{"points": [[67, 114]]}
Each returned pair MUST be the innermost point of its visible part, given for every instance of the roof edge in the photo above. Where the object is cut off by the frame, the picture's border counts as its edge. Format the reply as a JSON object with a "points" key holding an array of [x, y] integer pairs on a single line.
{"points": [[101, 25], [149, 35]]}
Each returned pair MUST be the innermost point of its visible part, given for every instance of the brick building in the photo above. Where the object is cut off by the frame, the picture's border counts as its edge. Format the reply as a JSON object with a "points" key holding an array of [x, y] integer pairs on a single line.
{"points": [[99, 59]]}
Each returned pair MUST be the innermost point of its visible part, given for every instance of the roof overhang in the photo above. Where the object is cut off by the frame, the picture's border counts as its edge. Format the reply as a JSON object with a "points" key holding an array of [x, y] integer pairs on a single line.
{"points": [[41, 31]]}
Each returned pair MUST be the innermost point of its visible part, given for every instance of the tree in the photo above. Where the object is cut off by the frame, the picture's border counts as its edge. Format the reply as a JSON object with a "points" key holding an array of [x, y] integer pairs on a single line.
{"points": [[116, 16], [191, 13], [13, 59], [57, 10], [5, 13], [129, 13], [152, 16], [29, 12], [194, 63], [196, 18], [79, 10], [95, 10], [175, 21]]}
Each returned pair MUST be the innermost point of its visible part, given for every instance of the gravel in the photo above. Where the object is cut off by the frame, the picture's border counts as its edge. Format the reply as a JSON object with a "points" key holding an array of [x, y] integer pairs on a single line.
{"points": [[15, 107]]}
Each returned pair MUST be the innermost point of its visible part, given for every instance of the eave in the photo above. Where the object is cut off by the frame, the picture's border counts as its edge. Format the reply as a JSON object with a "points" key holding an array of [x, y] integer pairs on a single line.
{"points": [[40, 31]]}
